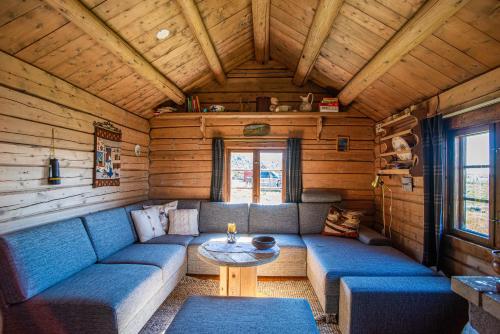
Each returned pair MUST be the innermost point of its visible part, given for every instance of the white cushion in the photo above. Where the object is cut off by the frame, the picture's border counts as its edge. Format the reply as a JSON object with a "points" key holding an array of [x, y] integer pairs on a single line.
{"points": [[183, 222], [147, 224], [163, 210]]}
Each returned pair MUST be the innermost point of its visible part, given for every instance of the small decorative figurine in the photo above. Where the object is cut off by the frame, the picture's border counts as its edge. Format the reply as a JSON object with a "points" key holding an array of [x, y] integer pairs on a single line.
{"points": [[306, 105]]}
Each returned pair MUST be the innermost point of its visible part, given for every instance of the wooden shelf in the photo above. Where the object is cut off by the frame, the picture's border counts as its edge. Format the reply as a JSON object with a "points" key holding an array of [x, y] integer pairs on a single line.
{"points": [[403, 171], [298, 114], [397, 120], [388, 154], [398, 134]]}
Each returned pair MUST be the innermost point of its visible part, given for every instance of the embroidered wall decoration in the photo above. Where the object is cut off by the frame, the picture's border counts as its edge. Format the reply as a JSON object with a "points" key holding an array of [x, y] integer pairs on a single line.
{"points": [[107, 155]]}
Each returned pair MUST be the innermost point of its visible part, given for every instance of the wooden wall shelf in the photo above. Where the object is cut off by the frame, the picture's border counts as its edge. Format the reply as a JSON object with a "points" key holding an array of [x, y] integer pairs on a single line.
{"points": [[298, 114], [402, 171]]}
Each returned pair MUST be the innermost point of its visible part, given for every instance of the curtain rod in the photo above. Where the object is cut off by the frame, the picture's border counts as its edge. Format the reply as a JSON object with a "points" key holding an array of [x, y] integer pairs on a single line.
{"points": [[475, 107]]}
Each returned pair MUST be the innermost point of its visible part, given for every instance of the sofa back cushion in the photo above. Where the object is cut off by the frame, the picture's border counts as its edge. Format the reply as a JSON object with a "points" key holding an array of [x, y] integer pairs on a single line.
{"points": [[312, 217], [214, 217], [282, 218], [182, 203], [109, 231], [37, 258]]}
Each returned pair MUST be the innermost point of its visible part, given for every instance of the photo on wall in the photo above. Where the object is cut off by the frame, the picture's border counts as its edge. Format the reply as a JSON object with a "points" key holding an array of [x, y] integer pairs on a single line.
{"points": [[107, 155]]}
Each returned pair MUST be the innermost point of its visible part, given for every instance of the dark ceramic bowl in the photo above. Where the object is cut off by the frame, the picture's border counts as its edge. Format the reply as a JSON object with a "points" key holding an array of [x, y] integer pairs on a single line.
{"points": [[263, 242]]}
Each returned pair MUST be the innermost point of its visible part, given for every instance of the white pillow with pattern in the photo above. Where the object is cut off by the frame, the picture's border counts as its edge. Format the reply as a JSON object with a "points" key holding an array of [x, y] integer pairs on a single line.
{"points": [[147, 224], [163, 210]]}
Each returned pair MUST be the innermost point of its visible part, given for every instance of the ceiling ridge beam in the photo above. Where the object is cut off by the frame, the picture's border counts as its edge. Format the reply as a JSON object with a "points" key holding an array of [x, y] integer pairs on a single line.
{"points": [[426, 20], [322, 24], [260, 17], [195, 22], [88, 22]]}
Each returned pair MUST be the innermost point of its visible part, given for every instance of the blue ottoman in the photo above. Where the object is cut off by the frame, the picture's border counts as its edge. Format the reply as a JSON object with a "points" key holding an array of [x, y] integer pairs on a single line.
{"points": [[400, 305], [238, 315]]}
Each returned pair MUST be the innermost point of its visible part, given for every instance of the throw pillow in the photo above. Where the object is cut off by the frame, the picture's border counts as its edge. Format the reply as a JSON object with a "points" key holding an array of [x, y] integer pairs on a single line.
{"points": [[342, 223], [147, 224], [163, 210], [183, 222]]}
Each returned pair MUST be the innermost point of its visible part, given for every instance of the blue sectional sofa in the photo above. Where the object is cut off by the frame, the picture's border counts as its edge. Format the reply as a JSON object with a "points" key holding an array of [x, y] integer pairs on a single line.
{"points": [[91, 275]]}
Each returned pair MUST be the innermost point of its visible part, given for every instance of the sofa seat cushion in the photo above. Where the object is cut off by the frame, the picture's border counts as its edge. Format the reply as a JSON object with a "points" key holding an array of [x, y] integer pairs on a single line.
{"points": [[281, 218], [102, 298], [174, 239], [332, 258], [247, 315], [424, 305], [37, 258], [290, 262], [214, 217], [169, 258], [109, 231]]}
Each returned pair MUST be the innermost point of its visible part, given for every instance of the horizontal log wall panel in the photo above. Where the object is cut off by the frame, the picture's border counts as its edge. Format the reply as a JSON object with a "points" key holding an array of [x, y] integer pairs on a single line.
{"points": [[26, 124], [180, 160]]}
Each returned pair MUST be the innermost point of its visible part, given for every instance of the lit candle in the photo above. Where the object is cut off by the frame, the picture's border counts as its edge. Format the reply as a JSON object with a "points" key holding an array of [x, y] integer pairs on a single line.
{"points": [[231, 228]]}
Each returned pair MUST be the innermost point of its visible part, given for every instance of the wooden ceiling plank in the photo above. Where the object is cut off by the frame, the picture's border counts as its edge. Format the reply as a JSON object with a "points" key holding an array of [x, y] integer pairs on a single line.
{"points": [[195, 22], [322, 24], [77, 13], [427, 20], [260, 15]]}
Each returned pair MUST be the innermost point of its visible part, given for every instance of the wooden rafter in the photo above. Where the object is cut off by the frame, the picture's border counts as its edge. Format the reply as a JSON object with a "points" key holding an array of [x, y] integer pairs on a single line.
{"points": [[428, 18], [260, 17], [193, 18], [86, 20], [326, 12]]}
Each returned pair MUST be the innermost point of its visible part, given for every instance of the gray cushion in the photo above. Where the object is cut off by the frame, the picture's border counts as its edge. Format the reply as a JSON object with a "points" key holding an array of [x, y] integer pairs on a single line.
{"points": [[282, 218], [34, 259], [320, 196], [175, 239], [424, 305], [312, 217], [372, 237], [214, 217], [333, 257], [101, 299], [169, 258], [246, 315], [109, 231]]}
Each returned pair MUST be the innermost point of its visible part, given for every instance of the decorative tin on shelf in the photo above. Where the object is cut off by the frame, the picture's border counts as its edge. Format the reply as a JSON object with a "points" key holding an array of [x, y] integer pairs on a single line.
{"points": [[256, 130], [107, 155]]}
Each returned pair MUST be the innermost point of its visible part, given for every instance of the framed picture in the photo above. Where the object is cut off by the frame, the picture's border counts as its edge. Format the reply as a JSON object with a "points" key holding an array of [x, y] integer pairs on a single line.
{"points": [[107, 159], [342, 144]]}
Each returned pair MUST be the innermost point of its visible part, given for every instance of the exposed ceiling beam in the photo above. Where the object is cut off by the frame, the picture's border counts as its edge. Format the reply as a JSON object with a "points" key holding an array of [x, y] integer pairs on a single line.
{"points": [[193, 18], [260, 17], [83, 18], [428, 19], [326, 12]]}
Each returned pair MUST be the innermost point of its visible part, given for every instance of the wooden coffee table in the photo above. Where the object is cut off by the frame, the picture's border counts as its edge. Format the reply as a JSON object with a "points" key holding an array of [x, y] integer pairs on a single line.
{"points": [[238, 264]]}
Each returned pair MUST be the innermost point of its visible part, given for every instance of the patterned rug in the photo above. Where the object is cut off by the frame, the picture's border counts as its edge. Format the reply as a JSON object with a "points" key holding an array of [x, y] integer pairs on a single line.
{"points": [[190, 286]]}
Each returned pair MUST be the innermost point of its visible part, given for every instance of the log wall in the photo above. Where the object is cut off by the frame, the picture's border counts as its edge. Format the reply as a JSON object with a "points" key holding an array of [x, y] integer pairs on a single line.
{"points": [[26, 124]]}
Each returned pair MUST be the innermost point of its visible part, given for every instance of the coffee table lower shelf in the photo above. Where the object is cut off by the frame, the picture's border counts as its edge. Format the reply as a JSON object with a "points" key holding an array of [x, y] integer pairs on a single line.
{"points": [[238, 281]]}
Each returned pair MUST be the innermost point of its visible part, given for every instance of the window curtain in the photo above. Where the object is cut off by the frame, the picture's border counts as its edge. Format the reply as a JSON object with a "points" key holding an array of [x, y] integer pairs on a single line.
{"points": [[434, 155], [293, 171], [217, 170]]}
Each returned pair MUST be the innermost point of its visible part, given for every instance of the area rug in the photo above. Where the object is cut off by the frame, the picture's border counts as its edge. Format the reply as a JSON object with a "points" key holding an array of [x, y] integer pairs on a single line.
{"points": [[190, 286]]}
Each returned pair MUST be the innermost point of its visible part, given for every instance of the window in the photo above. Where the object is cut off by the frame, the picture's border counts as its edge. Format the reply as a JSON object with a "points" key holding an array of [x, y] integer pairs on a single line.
{"points": [[256, 176], [472, 167]]}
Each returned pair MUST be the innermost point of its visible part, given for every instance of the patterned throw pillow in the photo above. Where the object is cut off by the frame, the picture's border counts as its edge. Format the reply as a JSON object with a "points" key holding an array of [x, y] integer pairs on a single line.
{"points": [[183, 222], [342, 223], [163, 210], [147, 224]]}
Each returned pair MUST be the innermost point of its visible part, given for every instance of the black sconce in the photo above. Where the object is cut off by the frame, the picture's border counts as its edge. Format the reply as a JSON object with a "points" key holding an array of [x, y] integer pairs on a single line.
{"points": [[54, 171]]}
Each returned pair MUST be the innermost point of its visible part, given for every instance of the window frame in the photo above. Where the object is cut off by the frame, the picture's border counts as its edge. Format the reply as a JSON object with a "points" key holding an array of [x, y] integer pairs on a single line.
{"points": [[454, 222], [256, 170]]}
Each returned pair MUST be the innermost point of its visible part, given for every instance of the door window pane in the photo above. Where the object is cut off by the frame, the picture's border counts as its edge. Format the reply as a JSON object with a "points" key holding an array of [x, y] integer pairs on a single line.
{"points": [[477, 149], [241, 177], [271, 177]]}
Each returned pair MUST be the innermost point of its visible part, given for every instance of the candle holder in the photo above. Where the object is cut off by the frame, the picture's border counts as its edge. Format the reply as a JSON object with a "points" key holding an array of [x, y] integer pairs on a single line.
{"points": [[231, 237]]}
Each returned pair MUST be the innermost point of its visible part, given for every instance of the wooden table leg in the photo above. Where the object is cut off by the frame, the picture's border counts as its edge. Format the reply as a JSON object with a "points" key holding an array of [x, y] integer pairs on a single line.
{"points": [[236, 281], [223, 280], [248, 286]]}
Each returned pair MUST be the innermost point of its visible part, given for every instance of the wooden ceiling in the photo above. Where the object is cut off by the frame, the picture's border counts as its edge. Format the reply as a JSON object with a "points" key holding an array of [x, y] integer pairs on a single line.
{"points": [[465, 46]]}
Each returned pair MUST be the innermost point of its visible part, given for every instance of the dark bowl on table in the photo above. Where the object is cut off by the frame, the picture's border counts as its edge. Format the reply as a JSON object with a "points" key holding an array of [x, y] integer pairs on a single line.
{"points": [[263, 242]]}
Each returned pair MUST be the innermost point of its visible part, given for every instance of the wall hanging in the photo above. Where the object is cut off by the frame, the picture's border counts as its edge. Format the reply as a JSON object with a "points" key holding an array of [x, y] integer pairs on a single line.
{"points": [[256, 130], [107, 154]]}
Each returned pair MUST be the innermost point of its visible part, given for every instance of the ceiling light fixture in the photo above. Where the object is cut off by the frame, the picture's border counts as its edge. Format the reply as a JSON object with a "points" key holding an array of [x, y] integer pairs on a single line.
{"points": [[163, 34]]}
